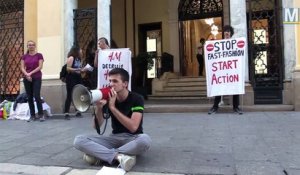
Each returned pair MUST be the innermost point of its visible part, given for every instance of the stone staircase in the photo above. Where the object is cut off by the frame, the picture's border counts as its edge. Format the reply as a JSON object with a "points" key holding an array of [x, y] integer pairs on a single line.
{"points": [[172, 94], [180, 88]]}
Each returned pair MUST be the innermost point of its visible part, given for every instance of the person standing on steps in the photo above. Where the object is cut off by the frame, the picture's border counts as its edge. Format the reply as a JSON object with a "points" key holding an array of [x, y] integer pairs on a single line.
{"points": [[200, 56]]}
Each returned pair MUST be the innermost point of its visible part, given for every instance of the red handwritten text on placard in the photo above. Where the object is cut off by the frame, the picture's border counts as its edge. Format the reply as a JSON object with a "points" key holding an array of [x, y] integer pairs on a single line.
{"points": [[224, 79], [106, 74], [224, 65], [114, 56]]}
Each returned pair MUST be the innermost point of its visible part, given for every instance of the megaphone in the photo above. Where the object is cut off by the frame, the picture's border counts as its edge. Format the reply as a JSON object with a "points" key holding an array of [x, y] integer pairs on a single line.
{"points": [[82, 97]]}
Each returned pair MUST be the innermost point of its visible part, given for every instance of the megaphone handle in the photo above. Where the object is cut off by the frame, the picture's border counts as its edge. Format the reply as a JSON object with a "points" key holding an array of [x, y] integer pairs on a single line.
{"points": [[97, 123], [106, 114]]}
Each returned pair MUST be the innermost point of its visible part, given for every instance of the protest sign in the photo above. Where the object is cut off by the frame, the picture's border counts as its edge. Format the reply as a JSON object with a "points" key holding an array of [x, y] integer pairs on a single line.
{"points": [[225, 66], [113, 58]]}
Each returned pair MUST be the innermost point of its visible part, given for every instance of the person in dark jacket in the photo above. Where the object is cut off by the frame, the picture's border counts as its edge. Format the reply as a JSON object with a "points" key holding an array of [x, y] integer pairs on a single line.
{"points": [[200, 56]]}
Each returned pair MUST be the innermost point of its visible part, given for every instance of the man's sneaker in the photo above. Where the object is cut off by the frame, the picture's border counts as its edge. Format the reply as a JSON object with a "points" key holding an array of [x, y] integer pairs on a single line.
{"points": [[78, 114], [238, 111], [213, 110], [126, 162], [91, 160]]}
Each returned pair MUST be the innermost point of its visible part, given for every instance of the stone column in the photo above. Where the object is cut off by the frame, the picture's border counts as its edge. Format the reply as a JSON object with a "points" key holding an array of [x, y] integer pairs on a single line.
{"points": [[174, 33], [68, 17], [226, 12], [103, 27], [30, 27], [30, 21], [296, 75], [289, 55], [238, 20]]}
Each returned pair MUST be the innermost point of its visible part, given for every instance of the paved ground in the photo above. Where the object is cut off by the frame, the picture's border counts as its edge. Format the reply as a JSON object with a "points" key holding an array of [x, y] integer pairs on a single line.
{"points": [[183, 106], [256, 143]]}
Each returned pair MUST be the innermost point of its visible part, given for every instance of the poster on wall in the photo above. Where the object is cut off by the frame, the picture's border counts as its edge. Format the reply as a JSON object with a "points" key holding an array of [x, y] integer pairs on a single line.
{"points": [[109, 59], [225, 66]]}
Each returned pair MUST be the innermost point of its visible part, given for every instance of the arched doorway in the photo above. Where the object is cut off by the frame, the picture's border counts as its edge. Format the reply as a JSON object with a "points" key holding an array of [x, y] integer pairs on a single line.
{"points": [[197, 19]]}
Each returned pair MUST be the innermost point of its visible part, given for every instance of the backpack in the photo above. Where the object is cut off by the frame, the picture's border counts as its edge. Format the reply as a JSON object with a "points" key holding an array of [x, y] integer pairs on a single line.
{"points": [[63, 73]]}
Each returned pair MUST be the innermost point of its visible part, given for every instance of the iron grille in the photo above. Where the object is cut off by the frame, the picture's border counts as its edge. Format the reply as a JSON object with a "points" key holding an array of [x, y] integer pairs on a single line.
{"points": [[11, 47], [266, 63], [199, 9], [85, 31], [85, 23]]}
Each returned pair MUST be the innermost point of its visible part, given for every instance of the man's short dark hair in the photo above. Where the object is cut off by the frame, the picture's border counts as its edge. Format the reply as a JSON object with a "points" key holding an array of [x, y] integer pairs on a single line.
{"points": [[122, 72], [228, 28]]}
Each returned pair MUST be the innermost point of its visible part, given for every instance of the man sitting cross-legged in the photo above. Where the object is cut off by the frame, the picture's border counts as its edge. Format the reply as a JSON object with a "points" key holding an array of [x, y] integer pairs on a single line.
{"points": [[127, 139]]}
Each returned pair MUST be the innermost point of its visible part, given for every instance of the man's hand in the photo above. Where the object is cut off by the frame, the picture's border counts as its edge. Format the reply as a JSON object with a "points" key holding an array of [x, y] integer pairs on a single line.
{"points": [[112, 98], [101, 103], [99, 107]]}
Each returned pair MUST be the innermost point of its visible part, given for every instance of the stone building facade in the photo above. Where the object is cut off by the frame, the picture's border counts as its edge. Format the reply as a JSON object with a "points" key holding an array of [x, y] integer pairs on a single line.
{"points": [[272, 65]]}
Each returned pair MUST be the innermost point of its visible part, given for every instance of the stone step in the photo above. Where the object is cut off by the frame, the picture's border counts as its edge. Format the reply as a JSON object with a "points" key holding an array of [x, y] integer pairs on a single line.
{"points": [[161, 98], [197, 104], [184, 88], [185, 84], [153, 99], [180, 93], [191, 79], [184, 108]]}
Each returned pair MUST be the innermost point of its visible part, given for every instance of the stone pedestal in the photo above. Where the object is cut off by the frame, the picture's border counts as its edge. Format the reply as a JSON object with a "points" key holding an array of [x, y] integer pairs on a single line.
{"points": [[248, 97], [288, 93], [296, 85], [53, 92]]}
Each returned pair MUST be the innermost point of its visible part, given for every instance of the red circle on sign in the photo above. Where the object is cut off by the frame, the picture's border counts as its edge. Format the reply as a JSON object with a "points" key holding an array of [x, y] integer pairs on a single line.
{"points": [[240, 44], [210, 47]]}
